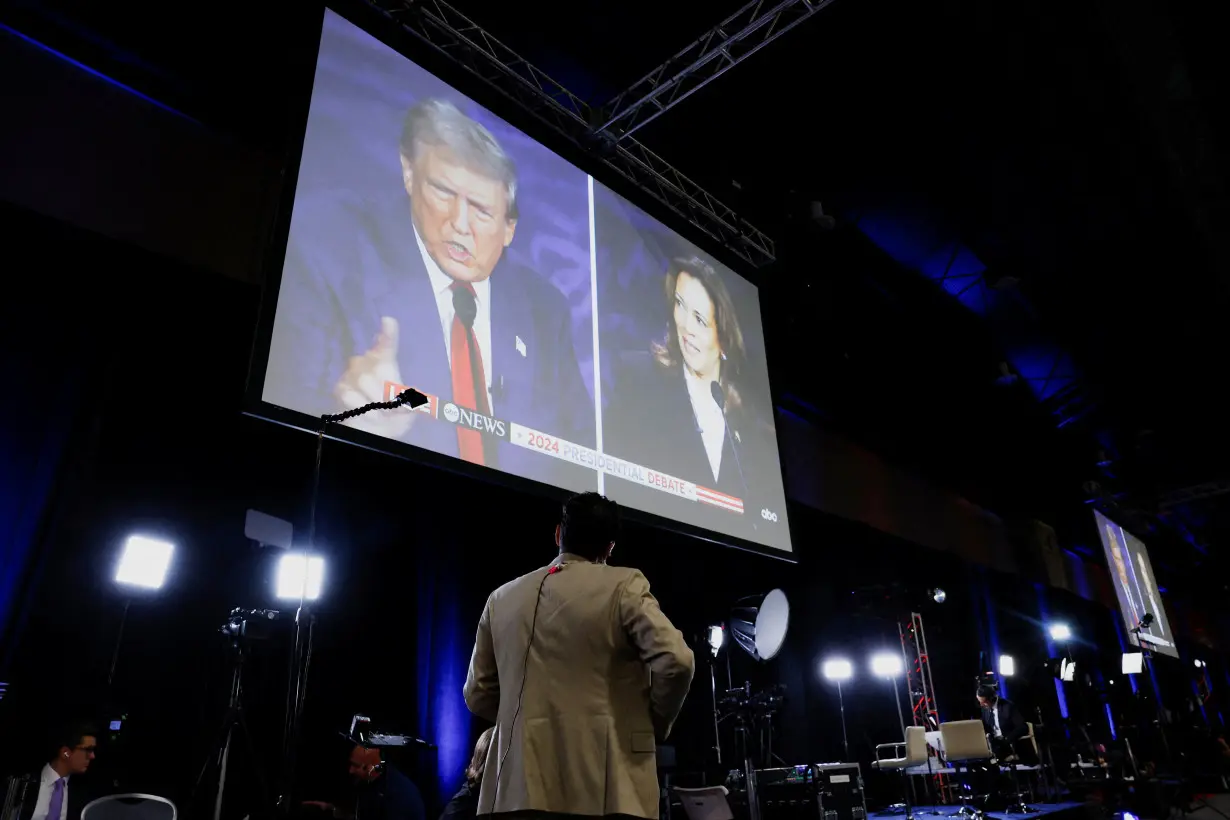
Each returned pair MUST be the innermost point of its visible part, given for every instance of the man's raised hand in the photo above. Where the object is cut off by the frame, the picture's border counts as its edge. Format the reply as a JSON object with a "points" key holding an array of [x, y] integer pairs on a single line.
{"points": [[364, 381]]}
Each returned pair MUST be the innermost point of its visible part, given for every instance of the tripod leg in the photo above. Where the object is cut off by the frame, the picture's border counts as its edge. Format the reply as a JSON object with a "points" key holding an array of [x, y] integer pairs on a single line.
{"points": [[213, 757], [261, 783], [226, 756]]}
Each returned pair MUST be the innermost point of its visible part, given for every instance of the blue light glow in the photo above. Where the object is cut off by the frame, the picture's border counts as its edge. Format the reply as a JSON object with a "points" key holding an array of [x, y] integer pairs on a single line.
{"points": [[988, 599], [94, 72], [1044, 614]]}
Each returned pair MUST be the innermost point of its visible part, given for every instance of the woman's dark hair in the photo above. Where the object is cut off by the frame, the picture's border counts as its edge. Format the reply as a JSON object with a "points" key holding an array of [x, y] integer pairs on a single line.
{"points": [[730, 336]]}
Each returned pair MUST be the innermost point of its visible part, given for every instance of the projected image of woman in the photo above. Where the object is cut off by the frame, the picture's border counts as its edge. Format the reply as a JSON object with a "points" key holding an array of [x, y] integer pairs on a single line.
{"points": [[679, 404], [704, 345]]}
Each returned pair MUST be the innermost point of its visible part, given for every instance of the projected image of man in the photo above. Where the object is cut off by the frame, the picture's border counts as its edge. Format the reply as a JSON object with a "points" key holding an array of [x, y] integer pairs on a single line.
{"points": [[1127, 595], [421, 293]]}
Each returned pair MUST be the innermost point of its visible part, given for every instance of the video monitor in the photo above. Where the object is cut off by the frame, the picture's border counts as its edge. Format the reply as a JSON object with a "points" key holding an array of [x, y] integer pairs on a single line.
{"points": [[560, 333], [1140, 601]]}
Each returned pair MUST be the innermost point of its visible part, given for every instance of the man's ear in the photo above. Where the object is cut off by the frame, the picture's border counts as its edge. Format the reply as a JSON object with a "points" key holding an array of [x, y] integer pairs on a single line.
{"points": [[407, 173], [610, 548]]}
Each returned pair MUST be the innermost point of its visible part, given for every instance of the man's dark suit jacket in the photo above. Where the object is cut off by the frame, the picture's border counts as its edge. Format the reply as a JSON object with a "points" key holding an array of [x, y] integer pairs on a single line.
{"points": [[350, 262], [393, 796], [1011, 724]]}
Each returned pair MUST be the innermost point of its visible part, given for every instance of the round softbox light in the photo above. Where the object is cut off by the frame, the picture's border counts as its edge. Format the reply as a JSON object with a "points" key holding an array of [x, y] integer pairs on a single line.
{"points": [[759, 624]]}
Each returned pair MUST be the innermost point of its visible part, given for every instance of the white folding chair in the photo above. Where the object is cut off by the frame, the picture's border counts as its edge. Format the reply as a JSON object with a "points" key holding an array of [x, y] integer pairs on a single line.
{"points": [[965, 742], [130, 807], [705, 803], [913, 753]]}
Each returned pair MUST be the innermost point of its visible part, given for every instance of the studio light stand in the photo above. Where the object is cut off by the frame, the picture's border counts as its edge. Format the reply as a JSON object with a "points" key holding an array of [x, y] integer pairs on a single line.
{"points": [[1147, 652], [301, 648], [741, 704], [717, 735], [845, 739]]}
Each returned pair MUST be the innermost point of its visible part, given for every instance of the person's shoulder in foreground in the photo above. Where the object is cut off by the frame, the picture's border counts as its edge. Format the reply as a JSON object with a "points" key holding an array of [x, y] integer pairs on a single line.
{"points": [[403, 800]]}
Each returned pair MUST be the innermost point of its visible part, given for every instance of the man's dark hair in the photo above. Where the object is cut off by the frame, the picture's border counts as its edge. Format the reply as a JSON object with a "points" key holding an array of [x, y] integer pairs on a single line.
{"points": [[988, 692], [589, 525], [68, 736]]}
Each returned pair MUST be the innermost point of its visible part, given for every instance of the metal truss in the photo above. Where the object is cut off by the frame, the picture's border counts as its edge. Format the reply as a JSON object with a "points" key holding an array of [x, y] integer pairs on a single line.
{"points": [[923, 708], [454, 35], [718, 50]]}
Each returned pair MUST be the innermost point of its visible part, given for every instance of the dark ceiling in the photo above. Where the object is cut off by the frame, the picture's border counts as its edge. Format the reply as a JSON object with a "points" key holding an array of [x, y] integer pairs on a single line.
{"points": [[1079, 147]]}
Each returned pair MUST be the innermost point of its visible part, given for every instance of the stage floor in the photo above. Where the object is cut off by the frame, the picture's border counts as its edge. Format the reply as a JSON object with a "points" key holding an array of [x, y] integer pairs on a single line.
{"points": [[1044, 810]]}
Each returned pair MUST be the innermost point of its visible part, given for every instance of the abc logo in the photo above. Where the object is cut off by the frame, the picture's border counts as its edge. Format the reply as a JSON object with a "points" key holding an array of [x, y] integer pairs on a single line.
{"points": [[768, 515], [450, 412]]}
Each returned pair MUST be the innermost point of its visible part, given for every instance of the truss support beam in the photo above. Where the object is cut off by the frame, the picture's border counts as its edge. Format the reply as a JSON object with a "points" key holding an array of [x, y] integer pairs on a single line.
{"points": [[923, 707], [452, 34], [718, 50]]}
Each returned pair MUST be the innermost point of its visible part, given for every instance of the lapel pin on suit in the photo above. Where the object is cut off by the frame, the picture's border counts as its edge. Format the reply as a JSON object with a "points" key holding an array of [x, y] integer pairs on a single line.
{"points": [[521, 347]]}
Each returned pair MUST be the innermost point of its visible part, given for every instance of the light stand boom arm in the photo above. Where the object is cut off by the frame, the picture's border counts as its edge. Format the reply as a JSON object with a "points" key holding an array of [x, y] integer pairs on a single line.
{"points": [[301, 650]]}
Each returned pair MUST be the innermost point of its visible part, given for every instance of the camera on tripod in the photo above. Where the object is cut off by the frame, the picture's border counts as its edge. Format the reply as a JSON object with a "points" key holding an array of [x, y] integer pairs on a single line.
{"points": [[250, 624]]}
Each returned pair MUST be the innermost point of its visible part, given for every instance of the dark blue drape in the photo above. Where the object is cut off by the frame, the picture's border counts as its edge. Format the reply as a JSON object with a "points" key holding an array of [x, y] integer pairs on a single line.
{"points": [[34, 430], [42, 369], [445, 638]]}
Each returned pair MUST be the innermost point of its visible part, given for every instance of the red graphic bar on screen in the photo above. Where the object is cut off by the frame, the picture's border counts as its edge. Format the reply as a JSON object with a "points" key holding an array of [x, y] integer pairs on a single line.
{"points": [[392, 390], [726, 502]]}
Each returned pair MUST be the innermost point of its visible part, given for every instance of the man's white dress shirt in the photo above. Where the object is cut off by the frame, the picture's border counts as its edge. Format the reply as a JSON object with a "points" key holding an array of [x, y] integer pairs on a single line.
{"points": [[441, 286], [46, 783]]}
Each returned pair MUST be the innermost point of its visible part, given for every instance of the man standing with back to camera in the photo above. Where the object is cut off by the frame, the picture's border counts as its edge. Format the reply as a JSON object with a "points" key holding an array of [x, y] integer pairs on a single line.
{"points": [[582, 674]]}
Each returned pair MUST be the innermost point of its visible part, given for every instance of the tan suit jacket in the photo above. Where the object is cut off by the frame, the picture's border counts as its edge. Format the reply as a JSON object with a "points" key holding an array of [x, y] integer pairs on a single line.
{"points": [[577, 714]]}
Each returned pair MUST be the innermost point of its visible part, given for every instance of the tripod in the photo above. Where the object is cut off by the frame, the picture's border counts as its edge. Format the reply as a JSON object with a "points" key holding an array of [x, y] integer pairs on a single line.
{"points": [[220, 756], [742, 742]]}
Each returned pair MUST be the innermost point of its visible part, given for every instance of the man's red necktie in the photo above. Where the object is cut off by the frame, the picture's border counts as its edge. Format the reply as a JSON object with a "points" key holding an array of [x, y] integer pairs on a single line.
{"points": [[466, 363]]}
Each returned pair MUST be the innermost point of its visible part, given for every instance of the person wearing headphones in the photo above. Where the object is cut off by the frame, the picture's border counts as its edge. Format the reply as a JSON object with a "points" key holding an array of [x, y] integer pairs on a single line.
{"points": [[581, 674], [70, 755], [1004, 723], [381, 791]]}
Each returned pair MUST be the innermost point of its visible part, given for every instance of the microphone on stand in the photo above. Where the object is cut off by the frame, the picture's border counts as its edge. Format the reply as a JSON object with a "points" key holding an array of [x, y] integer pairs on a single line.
{"points": [[719, 396]]}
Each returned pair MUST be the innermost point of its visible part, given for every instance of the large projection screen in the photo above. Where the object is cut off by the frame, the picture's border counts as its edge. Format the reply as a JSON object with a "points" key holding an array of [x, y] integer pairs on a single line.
{"points": [[1135, 587], [562, 335]]}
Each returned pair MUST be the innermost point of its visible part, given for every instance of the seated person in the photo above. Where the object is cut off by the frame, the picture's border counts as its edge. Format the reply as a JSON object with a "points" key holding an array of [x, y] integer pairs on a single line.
{"points": [[381, 791], [1005, 725], [464, 805], [69, 756]]}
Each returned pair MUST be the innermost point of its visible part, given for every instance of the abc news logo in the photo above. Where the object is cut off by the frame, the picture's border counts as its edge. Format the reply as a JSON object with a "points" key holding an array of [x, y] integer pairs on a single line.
{"points": [[768, 515], [475, 420]]}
